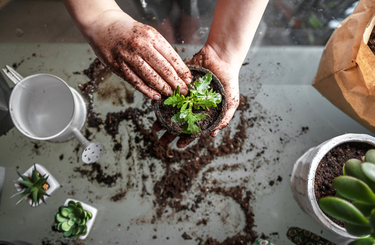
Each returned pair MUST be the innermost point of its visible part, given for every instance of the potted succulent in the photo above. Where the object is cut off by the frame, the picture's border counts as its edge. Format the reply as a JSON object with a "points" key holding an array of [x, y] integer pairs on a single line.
{"points": [[354, 202], [35, 185], [304, 175], [75, 219], [199, 112]]}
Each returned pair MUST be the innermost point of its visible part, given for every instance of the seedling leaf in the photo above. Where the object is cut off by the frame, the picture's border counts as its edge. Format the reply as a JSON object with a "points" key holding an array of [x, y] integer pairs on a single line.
{"points": [[200, 97]]}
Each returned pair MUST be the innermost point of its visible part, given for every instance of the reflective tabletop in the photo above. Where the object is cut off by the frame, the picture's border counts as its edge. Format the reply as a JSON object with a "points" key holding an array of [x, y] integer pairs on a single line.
{"points": [[280, 117]]}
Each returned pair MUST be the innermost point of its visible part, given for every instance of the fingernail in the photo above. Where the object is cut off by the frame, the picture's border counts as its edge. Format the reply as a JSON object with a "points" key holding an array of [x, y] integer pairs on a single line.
{"points": [[170, 92], [216, 132], [187, 80], [183, 91], [156, 97]]}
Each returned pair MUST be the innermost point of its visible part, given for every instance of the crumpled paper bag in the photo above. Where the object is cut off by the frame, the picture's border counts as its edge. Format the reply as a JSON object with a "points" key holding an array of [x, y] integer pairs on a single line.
{"points": [[346, 73]]}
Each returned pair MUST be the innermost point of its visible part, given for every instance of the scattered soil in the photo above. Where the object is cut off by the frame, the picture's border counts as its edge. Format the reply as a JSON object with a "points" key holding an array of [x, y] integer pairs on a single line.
{"points": [[97, 72], [96, 174], [171, 188], [186, 236], [118, 196], [331, 166], [168, 111]]}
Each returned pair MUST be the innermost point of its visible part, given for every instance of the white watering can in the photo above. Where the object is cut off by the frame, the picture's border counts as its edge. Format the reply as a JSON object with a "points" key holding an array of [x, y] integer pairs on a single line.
{"points": [[44, 107]]}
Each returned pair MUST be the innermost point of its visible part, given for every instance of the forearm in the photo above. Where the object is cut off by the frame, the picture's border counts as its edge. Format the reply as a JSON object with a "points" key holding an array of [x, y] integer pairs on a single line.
{"points": [[86, 13], [233, 28]]}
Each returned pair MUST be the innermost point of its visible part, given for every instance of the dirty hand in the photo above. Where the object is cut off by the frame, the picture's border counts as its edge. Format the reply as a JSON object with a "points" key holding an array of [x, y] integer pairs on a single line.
{"points": [[138, 53], [208, 58]]}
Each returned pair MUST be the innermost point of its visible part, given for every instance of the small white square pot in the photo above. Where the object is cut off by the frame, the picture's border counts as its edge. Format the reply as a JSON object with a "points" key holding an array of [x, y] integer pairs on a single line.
{"points": [[52, 182], [89, 208]]}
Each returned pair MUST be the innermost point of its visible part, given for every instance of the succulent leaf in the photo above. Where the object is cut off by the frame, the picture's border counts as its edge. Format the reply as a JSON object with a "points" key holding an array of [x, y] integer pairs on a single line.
{"points": [[369, 170], [363, 241], [370, 156], [364, 208], [356, 230], [67, 233], [23, 197], [72, 220], [32, 187], [34, 175], [353, 168], [60, 218], [372, 219], [65, 226], [343, 210], [354, 189]]}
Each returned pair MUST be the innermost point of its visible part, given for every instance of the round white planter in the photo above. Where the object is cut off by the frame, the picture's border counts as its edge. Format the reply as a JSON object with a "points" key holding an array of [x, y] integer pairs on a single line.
{"points": [[89, 208], [303, 178], [52, 182]]}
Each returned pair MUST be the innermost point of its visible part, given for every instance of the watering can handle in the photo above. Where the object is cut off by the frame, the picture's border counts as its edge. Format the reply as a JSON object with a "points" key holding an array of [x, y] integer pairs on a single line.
{"points": [[14, 76]]}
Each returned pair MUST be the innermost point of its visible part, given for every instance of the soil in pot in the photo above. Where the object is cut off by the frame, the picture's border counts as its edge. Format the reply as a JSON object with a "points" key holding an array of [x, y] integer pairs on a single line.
{"points": [[331, 166], [168, 111]]}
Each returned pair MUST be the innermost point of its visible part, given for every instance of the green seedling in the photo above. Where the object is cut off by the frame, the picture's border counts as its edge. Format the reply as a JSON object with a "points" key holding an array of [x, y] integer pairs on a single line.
{"points": [[354, 202], [200, 96], [71, 220], [33, 186]]}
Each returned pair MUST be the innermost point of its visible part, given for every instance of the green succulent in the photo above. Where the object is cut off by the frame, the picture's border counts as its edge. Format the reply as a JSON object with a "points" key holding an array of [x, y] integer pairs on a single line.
{"points": [[354, 202], [33, 186], [72, 219]]}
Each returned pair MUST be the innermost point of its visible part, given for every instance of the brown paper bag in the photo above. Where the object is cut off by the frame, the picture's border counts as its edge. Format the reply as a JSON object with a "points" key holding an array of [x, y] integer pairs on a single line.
{"points": [[346, 73]]}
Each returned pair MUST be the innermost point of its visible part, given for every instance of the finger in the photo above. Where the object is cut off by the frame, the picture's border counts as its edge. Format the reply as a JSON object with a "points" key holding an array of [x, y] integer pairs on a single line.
{"points": [[166, 139], [165, 70], [227, 117], [156, 127], [166, 50], [149, 75], [129, 75], [183, 142]]}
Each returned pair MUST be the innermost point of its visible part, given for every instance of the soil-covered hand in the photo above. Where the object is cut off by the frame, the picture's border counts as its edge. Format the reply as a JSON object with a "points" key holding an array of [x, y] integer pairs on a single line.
{"points": [[138, 53], [227, 73]]}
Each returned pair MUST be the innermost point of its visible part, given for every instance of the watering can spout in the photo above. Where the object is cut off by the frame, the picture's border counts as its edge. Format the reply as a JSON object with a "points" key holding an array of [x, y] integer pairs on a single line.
{"points": [[14, 76]]}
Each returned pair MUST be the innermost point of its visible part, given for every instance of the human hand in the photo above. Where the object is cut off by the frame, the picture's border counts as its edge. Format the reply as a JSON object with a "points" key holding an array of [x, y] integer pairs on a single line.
{"points": [[137, 53], [227, 72]]}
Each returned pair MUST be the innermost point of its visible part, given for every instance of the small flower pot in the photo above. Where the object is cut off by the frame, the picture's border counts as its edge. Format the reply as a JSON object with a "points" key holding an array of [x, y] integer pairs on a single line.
{"points": [[89, 208], [51, 181], [159, 107], [303, 179]]}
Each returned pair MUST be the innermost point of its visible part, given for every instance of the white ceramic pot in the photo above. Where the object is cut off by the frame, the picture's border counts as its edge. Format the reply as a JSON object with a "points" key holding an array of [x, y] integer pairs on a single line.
{"points": [[52, 182], [89, 208], [303, 178]]}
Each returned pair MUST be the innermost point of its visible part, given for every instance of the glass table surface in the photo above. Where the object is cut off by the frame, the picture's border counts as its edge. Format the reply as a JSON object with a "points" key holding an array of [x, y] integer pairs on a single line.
{"points": [[282, 116]]}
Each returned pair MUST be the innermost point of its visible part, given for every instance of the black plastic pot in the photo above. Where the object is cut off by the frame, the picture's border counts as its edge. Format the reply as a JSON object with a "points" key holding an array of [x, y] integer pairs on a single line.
{"points": [[211, 128]]}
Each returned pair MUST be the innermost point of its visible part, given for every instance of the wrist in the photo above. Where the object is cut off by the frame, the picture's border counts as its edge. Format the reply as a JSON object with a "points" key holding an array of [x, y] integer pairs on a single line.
{"points": [[106, 24], [229, 57]]}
